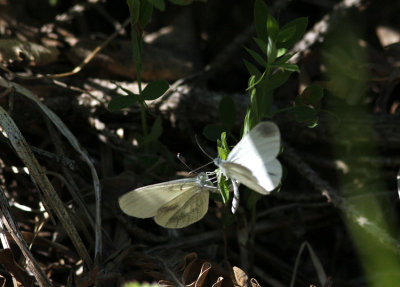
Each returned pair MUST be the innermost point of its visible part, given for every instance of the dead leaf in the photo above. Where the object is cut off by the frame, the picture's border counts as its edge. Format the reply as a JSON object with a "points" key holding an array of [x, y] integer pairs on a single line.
{"points": [[218, 283], [254, 283], [189, 258], [9, 263], [201, 273], [241, 277], [199, 282]]}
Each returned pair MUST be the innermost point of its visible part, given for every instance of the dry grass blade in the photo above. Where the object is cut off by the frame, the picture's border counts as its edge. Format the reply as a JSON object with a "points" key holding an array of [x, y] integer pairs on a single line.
{"points": [[39, 176], [316, 262], [92, 54], [12, 227], [75, 144]]}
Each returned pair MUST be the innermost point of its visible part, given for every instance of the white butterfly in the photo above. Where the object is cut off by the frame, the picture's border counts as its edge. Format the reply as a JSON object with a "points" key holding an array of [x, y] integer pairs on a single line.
{"points": [[174, 204], [253, 161]]}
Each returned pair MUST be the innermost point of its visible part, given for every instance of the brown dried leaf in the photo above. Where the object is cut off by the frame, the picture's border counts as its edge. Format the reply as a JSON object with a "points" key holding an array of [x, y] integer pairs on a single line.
{"points": [[199, 282], [254, 283], [241, 278], [202, 273], [142, 267], [9, 263], [192, 268], [187, 260], [219, 282]]}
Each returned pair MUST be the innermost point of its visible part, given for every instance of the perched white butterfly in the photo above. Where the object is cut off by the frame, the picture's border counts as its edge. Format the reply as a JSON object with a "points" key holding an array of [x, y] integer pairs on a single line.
{"points": [[253, 161], [174, 204]]}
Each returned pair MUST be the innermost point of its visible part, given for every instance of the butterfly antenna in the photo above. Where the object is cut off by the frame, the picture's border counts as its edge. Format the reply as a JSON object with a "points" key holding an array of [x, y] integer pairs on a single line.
{"points": [[201, 148], [200, 167], [182, 160]]}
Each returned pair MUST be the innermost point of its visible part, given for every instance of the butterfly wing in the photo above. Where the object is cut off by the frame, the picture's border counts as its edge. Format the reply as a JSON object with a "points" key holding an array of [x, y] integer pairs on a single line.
{"points": [[144, 202], [252, 161], [262, 180], [184, 209], [263, 141]]}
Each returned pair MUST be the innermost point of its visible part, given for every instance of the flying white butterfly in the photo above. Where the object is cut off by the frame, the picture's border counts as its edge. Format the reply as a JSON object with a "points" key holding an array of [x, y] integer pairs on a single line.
{"points": [[253, 161], [174, 204]]}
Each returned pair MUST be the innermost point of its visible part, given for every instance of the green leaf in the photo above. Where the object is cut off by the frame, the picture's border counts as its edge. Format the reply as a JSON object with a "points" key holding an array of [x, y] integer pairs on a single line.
{"points": [[306, 115], [264, 102], [261, 13], [253, 82], [271, 51], [227, 112], [284, 59], [300, 24], [155, 133], [256, 57], [272, 27], [216, 197], [159, 4], [128, 92], [287, 67], [252, 69], [281, 52], [156, 130], [213, 132], [183, 2], [134, 10], [223, 187], [278, 79], [285, 34], [122, 102], [311, 95], [254, 106], [222, 146], [262, 45], [146, 10], [154, 90], [248, 121]]}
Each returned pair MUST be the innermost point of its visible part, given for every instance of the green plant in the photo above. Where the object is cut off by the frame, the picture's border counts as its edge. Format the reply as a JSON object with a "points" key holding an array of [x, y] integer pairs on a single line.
{"points": [[140, 13], [271, 70]]}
